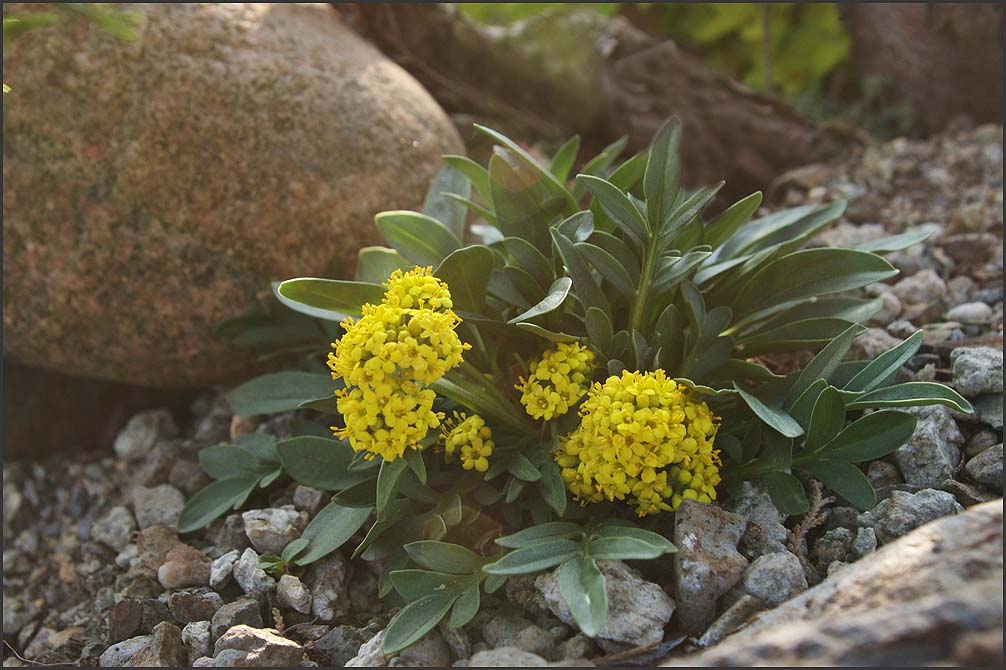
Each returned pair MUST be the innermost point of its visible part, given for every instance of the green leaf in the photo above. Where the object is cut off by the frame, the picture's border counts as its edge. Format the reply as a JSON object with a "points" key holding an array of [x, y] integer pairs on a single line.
{"points": [[622, 548], [476, 174], [529, 259], [834, 307], [881, 369], [484, 212], [562, 162], [375, 264], [416, 584], [774, 417], [415, 620], [886, 245], [539, 533], [421, 239], [598, 328], [414, 459], [822, 364], [582, 586], [846, 480], [609, 268], [551, 185], [807, 273], [578, 227], [552, 301], [620, 250], [534, 558], [260, 445], [494, 582], [524, 469], [279, 392], [291, 550], [466, 272], [225, 460], [913, 394], [796, 336], [446, 210], [552, 488], [690, 209], [826, 420], [587, 291], [617, 205], [330, 529], [329, 299], [871, 437], [321, 463], [215, 500], [640, 535], [662, 181], [269, 478], [727, 223], [444, 557], [387, 481], [466, 606], [786, 492]]}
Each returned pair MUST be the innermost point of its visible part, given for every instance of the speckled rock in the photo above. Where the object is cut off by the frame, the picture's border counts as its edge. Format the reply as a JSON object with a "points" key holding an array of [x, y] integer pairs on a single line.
{"points": [[222, 568], [163, 150], [114, 528], [765, 532], [370, 653], [142, 432], [184, 566], [118, 655], [157, 505], [327, 580], [904, 512], [429, 651], [977, 370], [291, 593], [337, 646], [932, 453], [987, 468], [638, 610], [506, 657], [252, 579], [270, 530], [244, 646], [508, 631], [975, 313], [774, 578], [707, 563], [196, 638]]}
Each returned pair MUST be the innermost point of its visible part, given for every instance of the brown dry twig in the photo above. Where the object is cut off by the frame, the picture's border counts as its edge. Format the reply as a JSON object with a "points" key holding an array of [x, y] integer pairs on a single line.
{"points": [[814, 517]]}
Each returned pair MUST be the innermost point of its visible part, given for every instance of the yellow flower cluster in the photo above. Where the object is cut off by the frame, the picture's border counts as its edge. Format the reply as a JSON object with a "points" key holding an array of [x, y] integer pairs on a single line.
{"points": [[470, 438], [557, 381], [642, 439], [387, 360]]}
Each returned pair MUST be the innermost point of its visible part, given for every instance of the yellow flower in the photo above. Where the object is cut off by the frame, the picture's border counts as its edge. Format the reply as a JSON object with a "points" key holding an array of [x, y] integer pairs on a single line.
{"points": [[557, 381], [641, 439], [470, 438], [388, 420], [388, 358], [393, 343], [417, 289]]}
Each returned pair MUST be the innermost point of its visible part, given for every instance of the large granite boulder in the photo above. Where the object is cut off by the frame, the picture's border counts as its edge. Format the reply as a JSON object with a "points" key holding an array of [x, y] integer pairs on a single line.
{"points": [[932, 597], [152, 188]]}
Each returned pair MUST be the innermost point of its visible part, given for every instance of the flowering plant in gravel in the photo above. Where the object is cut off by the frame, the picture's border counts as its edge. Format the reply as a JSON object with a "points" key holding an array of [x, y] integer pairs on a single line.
{"points": [[549, 395]]}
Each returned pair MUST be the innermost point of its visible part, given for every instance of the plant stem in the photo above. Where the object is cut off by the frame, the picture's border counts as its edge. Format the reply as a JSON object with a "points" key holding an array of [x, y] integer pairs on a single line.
{"points": [[642, 296]]}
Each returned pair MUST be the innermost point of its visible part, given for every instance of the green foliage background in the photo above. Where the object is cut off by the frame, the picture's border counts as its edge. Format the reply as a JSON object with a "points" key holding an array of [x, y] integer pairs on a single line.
{"points": [[806, 41]]}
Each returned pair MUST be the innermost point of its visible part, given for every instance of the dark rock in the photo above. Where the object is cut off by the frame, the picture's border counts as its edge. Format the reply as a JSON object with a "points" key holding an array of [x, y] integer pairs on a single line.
{"points": [[187, 607], [904, 512], [241, 611], [987, 468], [166, 649], [337, 646]]}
